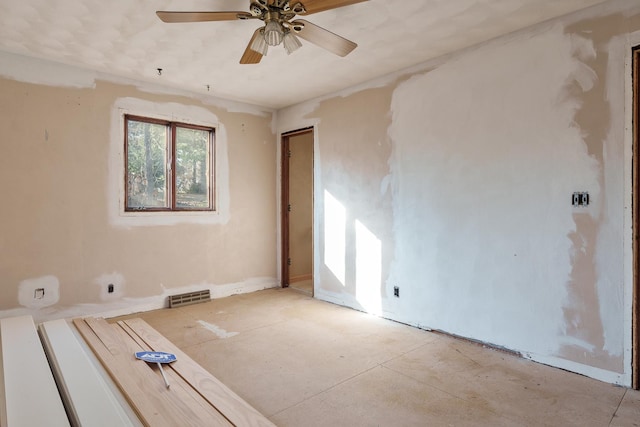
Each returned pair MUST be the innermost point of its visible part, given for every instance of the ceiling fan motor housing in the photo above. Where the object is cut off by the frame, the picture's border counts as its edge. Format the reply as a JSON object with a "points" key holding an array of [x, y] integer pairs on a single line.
{"points": [[259, 8]]}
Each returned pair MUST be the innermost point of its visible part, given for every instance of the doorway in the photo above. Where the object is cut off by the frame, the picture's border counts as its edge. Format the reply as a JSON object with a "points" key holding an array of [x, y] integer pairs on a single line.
{"points": [[297, 210], [636, 221]]}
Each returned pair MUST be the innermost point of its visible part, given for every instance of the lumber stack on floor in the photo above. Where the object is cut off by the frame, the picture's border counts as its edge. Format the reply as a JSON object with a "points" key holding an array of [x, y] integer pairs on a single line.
{"points": [[194, 398], [29, 393], [86, 395]]}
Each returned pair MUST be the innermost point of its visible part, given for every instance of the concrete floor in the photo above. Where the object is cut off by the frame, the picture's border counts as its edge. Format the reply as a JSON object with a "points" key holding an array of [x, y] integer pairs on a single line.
{"points": [[303, 362]]}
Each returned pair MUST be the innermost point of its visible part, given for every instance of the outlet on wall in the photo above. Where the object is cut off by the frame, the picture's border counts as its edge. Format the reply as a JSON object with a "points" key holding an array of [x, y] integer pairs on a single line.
{"points": [[110, 288], [580, 199], [396, 291], [39, 292]]}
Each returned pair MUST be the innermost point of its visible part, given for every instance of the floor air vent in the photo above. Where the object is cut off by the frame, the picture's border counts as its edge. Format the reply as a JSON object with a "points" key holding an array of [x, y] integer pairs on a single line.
{"points": [[189, 298]]}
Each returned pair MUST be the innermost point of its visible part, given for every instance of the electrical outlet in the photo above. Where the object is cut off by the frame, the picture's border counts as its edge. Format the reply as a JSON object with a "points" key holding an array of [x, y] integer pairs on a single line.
{"points": [[396, 291], [110, 288], [40, 292], [580, 199]]}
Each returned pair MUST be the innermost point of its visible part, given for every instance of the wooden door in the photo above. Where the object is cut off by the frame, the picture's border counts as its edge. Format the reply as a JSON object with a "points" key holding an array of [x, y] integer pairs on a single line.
{"points": [[297, 209]]}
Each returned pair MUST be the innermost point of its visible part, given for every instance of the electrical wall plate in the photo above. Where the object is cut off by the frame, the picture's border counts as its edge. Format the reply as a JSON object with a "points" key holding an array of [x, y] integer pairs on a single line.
{"points": [[580, 199]]}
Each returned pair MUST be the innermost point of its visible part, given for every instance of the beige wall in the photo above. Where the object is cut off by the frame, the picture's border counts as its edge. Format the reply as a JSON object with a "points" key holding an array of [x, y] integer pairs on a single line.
{"points": [[454, 183], [58, 231]]}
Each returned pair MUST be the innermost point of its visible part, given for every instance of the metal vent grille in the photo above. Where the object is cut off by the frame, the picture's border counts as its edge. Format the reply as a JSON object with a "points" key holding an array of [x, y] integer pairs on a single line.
{"points": [[189, 298]]}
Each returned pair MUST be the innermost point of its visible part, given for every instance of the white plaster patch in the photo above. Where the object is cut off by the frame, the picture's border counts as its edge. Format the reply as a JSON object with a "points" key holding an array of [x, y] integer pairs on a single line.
{"points": [[116, 280], [40, 292], [481, 188], [30, 70], [38, 71], [166, 111], [572, 341], [220, 333], [597, 373], [124, 306]]}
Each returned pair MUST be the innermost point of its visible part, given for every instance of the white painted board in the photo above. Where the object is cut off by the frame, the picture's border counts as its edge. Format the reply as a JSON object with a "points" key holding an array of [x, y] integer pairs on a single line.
{"points": [[32, 398], [89, 400]]}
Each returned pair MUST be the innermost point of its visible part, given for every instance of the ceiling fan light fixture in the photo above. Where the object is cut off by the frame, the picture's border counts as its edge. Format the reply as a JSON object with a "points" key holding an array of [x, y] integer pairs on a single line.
{"points": [[259, 44], [279, 25], [291, 42], [273, 33], [298, 9]]}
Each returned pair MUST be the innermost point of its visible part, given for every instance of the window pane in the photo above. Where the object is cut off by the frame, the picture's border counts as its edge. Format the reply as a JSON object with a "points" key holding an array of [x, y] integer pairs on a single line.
{"points": [[193, 169], [146, 165]]}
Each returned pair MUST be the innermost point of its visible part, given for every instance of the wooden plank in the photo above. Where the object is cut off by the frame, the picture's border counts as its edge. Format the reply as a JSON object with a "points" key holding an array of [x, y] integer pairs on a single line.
{"points": [[112, 386], [172, 404], [190, 404], [121, 376], [143, 345], [153, 402], [86, 396], [239, 412], [32, 398]]}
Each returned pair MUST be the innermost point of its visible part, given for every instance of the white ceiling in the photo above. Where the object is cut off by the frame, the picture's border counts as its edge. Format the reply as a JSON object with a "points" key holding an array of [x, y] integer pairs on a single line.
{"points": [[125, 38]]}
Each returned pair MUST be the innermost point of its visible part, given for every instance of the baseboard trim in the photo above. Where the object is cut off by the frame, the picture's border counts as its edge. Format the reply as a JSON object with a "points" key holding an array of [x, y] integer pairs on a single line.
{"points": [[300, 278], [622, 379], [125, 306]]}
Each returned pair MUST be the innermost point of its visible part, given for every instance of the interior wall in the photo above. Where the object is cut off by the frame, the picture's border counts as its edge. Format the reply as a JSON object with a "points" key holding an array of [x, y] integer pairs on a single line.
{"points": [[62, 173], [453, 182]]}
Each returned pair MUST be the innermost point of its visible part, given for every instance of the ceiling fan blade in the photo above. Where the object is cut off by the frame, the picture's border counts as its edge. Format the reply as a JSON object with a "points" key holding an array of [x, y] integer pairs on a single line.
{"points": [[324, 38], [175, 17], [250, 56], [315, 6]]}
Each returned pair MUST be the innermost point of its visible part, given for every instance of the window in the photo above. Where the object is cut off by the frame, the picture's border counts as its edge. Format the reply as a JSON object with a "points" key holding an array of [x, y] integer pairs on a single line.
{"points": [[169, 166]]}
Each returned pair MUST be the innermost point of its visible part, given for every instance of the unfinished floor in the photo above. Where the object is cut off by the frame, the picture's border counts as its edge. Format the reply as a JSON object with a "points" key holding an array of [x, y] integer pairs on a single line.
{"points": [[304, 362]]}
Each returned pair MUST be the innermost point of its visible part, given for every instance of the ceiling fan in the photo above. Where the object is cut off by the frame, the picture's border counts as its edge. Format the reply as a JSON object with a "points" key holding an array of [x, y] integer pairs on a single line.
{"points": [[280, 26]]}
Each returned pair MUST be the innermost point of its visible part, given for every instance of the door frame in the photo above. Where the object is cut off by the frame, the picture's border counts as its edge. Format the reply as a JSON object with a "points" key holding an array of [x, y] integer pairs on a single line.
{"points": [[285, 154], [635, 349]]}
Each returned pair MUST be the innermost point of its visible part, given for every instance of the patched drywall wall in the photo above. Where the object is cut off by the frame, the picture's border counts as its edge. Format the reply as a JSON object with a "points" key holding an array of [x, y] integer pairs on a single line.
{"points": [[63, 229], [352, 206], [454, 184], [492, 214]]}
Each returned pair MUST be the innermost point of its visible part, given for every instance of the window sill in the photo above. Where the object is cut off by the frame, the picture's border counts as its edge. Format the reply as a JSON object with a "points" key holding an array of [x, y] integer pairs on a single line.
{"points": [[146, 218]]}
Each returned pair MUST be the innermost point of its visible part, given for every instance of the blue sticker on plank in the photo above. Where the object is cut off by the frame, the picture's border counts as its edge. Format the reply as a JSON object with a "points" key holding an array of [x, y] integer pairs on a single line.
{"points": [[156, 356]]}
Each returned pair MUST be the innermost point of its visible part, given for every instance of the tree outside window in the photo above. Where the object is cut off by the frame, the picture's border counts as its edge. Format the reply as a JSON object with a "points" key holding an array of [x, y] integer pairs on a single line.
{"points": [[169, 166]]}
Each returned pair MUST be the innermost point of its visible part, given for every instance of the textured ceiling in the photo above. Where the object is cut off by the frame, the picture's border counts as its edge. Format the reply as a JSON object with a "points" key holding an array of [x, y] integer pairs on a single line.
{"points": [[125, 38]]}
